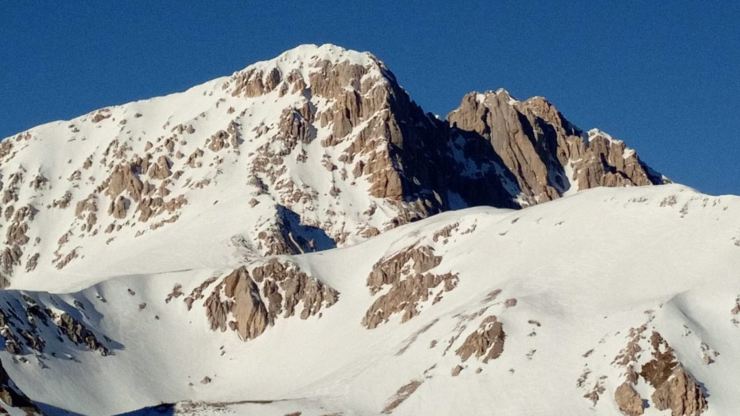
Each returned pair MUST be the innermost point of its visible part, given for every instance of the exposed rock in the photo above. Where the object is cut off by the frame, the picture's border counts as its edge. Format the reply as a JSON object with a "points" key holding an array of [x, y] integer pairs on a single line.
{"points": [[657, 370], [39, 181], [124, 178], [674, 388], [118, 207], [32, 262], [13, 397], [254, 82], [79, 334], [401, 395], [242, 300], [176, 293], [250, 302], [629, 401], [681, 394], [193, 158], [218, 140], [539, 147], [487, 341], [63, 261], [407, 274], [101, 115], [24, 331], [161, 169], [63, 202]]}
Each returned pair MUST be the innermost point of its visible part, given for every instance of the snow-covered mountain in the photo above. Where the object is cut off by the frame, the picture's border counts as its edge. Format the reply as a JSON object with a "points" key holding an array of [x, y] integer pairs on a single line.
{"points": [[301, 238]]}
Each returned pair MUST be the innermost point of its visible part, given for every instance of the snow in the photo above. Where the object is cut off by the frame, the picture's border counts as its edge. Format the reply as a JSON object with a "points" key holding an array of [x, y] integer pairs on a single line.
{"points": [[560, 260], [586, 267], [304, 57], [572, 183], [594, 133]]}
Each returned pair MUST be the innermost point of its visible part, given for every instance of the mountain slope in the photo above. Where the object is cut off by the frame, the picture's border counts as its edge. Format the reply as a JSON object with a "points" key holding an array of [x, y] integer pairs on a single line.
{"points": [[669, 253], [300, 236], [317, 148]]}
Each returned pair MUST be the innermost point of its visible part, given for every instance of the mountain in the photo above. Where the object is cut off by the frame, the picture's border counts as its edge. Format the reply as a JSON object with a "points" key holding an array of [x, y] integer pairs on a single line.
{"points": [[319, 147], [302, 238]]}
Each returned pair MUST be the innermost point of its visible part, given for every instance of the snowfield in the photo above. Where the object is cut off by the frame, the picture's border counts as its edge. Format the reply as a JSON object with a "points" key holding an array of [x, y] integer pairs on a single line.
{"points": [[583, 271]]}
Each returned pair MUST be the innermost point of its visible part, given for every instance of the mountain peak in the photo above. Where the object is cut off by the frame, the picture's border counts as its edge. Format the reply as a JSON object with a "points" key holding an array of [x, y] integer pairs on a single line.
{"points": [[168, 241], [322, 144], [330, 52]]}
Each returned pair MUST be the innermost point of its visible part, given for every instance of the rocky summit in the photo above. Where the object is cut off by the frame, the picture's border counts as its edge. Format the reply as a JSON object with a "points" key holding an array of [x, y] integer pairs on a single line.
{"points": [[301, 238]]}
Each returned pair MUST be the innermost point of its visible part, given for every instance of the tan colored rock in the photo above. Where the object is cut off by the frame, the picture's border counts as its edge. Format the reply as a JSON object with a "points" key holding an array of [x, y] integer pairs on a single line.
{"points": [[64, 201], [537, 145], [249, 303], [193, 158], [249, 311], [401, 395], [218, 140], [254, 82], [407, 274], [161, 169], [101, 115], [628, 400], [487, 341], [681, 394], [123, 178], [118, 207], [32, 262]]}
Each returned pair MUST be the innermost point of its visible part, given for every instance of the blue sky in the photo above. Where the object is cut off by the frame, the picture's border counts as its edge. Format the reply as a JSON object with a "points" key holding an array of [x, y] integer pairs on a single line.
{"points": [[664, 76]]}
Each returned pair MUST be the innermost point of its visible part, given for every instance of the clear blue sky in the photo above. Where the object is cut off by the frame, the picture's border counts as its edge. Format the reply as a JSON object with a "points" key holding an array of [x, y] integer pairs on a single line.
{"points": [[664, 76]]}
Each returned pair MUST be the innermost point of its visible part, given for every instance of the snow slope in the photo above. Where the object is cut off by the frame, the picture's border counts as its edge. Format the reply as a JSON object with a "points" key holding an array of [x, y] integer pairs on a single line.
{"points": [[583, 271], [297, 237]]}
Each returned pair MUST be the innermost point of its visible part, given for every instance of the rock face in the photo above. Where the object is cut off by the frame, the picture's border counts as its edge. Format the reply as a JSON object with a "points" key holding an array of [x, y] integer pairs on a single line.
{"points": [[311, 129], [673, 387], [13, 397], [547, 155], [24, 332], [485, 343], [249, 302], [408, 281], [629, 401], [680, 394]]}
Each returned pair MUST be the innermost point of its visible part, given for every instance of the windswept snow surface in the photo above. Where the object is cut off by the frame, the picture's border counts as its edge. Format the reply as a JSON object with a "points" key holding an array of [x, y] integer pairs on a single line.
{"points": [[575, 275]]}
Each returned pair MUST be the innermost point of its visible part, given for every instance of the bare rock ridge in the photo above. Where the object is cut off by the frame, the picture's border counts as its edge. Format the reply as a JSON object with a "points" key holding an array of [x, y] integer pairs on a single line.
{"points": [[321, 146], [547, 154]]}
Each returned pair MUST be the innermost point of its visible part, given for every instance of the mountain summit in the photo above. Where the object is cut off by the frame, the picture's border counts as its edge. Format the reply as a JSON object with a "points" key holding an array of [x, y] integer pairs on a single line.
{"points": [[320, 147], [302, 238]]}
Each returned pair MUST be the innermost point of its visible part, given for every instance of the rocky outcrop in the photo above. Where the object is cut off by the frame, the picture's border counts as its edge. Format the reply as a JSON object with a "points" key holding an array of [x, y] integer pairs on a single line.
{"points": [[309, 130], [674, 388], [248, 302], [243, 301], [680, 394], [628, 400], [79, 334], [24, 320], [403, 393], [546, 154], [13, 397], [408, 282], [486, 342]]}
